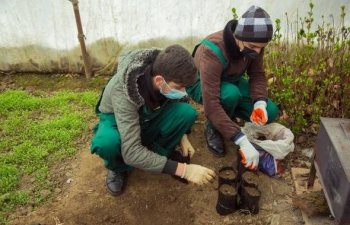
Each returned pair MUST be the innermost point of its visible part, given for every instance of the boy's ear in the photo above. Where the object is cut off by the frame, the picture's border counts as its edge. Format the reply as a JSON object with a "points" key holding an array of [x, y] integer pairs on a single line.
{"points": [[158, 80]]}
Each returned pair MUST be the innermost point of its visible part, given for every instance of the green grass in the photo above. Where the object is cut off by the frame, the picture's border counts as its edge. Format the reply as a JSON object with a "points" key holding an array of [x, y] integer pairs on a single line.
{"points": [[35, 133]]}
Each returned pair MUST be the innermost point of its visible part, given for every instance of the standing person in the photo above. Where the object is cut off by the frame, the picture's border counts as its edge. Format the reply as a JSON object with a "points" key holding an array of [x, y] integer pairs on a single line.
{"points": [[140, 110], [232, 81]]}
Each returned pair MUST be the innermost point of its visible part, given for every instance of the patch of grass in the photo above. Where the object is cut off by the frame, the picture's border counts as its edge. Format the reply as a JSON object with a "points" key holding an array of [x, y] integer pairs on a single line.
{"points": [[35, 133]]}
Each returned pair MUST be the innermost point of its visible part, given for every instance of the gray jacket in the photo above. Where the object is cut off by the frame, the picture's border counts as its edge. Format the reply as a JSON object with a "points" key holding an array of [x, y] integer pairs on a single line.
{"points": [[122, 97]]}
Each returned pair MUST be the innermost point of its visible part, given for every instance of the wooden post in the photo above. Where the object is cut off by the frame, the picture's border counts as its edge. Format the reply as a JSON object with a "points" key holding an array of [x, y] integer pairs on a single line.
{"points": [[312, 174], [81, 38]]}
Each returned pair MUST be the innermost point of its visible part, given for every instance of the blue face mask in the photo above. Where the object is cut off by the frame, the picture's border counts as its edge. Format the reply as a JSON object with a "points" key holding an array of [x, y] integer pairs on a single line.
{"points": [[173, 93]]}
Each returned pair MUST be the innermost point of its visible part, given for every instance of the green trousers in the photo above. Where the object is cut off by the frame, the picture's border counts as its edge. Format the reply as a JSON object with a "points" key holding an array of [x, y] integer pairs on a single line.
{"points": [[161, 131], [234, 98]]}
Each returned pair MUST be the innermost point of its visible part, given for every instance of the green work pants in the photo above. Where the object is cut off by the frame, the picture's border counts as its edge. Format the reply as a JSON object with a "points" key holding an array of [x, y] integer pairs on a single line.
{"points": [[234, 98], [161, 131]]}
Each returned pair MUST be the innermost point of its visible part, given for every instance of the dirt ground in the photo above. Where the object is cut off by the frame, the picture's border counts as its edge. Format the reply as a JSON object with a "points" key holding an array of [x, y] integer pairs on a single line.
{"points": [[157, 199], [82, 199]]}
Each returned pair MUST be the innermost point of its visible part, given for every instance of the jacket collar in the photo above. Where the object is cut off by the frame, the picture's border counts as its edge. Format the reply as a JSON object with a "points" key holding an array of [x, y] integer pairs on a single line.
{"points": [[138, 64], [230, 43]]}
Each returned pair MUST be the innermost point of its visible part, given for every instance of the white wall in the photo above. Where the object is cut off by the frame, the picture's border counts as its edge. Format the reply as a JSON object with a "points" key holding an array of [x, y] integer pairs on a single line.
{"points": [[51, 23]]}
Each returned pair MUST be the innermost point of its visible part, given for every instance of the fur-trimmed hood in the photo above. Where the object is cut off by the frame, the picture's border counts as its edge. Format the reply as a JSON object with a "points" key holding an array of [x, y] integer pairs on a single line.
{"points": [[132, 65]]}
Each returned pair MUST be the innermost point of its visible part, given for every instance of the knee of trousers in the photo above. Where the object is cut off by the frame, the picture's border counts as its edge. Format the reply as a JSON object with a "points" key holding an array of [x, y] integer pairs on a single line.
{"points": [[230, 98], [272, 111], [106, 146], [187, 113]]}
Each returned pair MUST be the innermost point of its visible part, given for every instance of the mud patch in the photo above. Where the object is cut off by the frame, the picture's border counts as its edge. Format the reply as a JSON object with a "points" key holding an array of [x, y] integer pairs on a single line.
{"points": [[312, 203]]}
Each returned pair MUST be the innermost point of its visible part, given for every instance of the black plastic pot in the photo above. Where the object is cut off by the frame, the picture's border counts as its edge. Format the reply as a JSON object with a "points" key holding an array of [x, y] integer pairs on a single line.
{"points": [[227, 200], [250, 179], [249, 199], [227, 175]]}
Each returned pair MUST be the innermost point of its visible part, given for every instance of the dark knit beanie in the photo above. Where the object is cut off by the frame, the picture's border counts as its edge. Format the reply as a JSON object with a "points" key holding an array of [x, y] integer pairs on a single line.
{"points": [[254, 26]]}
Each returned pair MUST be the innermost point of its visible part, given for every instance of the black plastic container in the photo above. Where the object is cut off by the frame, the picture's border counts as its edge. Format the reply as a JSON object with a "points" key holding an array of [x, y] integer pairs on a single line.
{"points": [[249, 199], [250, 179], [227, 199], [227, 175]]}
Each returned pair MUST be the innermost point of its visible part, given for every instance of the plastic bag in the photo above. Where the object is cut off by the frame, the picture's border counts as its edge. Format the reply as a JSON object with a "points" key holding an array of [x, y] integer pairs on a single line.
{"points": [[268, 164], [274, 138]]}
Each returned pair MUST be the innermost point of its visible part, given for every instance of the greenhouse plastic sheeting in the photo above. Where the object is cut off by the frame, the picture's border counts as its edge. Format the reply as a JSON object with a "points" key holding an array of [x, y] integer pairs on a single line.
{"points": [[41, 35]]}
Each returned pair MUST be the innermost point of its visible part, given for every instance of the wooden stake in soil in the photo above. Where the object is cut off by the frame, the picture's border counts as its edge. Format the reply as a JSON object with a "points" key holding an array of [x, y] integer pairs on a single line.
{"points": [[81, 37]]}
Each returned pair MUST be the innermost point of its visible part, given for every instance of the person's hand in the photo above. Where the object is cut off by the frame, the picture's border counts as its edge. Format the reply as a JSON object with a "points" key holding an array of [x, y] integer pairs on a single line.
{"points": [[197, 174], [186, 147], [250, 156], [259, 114]]}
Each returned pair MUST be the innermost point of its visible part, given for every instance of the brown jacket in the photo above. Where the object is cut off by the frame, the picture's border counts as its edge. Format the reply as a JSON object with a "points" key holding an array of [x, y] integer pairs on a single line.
{"points": [[211, 70]]}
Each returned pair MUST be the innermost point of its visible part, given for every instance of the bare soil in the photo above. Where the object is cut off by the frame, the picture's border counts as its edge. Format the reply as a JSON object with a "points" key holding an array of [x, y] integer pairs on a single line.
{"points": [[228, 190], [228, 174], [250, 179], [252, 191], [155, 198], [313, 203]]}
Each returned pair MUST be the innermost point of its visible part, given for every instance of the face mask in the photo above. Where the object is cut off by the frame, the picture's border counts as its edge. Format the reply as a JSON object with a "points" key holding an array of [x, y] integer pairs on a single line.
{"points": [[249, 53], [173, 93]]}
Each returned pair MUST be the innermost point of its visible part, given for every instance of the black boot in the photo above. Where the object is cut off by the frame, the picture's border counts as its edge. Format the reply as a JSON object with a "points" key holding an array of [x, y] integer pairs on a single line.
{"points": [[214, 141], [115, 182]]}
